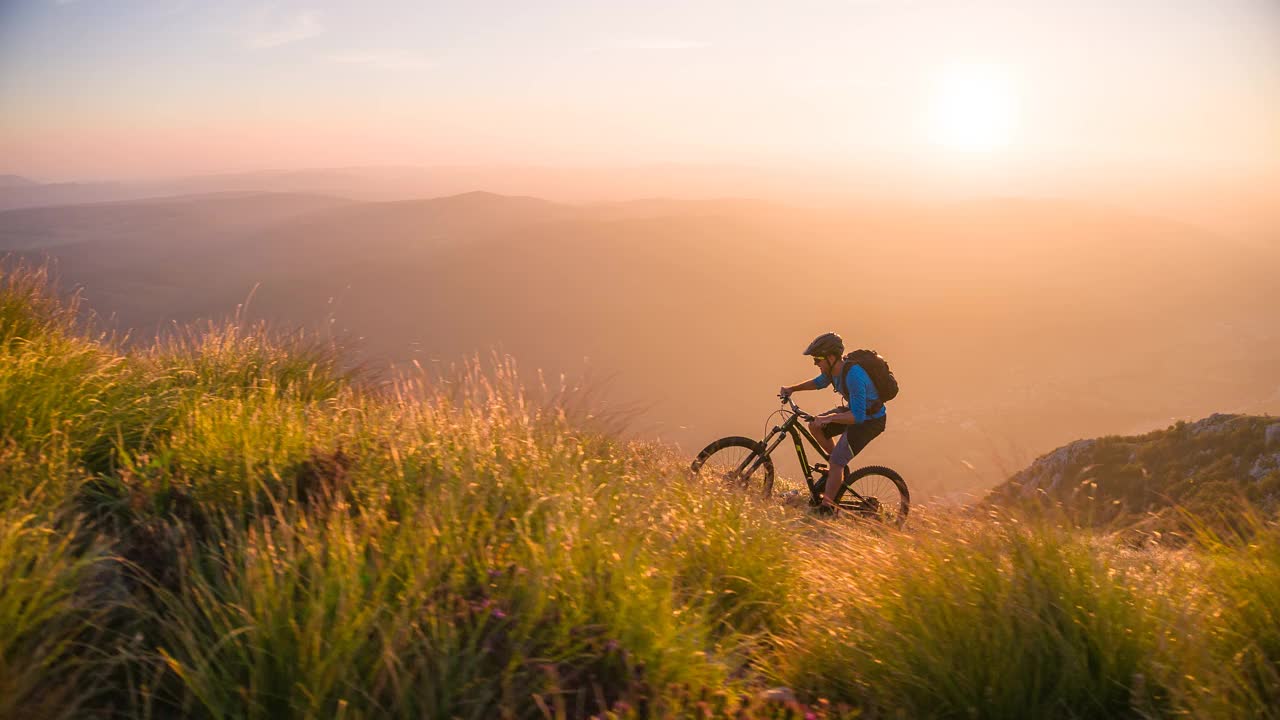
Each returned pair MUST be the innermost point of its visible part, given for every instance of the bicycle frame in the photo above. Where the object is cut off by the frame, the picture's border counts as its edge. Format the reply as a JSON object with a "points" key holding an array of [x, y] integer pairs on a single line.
{"points": [[793, 428]]}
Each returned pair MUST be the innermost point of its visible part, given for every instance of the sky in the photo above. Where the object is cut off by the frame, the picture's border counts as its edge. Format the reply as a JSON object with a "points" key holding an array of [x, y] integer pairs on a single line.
{"points": [[936, 90]]}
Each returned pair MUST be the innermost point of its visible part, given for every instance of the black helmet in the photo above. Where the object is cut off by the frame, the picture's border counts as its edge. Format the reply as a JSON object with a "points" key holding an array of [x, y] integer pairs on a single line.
{"points": [[824, 345]]}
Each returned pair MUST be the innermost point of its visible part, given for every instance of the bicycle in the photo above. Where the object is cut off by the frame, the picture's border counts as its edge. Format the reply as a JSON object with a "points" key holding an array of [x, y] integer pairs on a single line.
{"points": [[873, 492]]}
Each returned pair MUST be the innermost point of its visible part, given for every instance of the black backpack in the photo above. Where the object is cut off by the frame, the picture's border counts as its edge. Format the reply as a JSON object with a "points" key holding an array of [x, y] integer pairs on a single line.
{"points": [[877, 368]]}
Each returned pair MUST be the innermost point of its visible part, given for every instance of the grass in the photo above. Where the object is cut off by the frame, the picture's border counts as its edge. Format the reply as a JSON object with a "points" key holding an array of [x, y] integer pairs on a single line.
{"points": [[49, 620], [226, 524], [980, 620]]}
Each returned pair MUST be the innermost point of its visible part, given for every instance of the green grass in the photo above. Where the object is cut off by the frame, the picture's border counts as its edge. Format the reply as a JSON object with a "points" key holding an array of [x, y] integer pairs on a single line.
{"points": [[979, 620], [1243, 570], [52, 607], [228, 524]]}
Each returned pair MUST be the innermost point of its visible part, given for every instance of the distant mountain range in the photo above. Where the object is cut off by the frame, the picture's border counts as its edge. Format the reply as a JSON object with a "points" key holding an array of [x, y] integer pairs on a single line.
{"points": [[1248, 211], [389, 183], [1014, 325], [15, 181]]}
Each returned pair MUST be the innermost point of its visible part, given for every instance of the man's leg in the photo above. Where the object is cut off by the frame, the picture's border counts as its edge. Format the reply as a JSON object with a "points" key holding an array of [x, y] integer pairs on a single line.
{"points": [[825, 441], [854, 439], [840, 457]]}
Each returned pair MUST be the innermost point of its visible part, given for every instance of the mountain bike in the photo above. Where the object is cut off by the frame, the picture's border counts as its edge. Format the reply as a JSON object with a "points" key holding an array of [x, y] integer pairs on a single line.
{"points": [[872, 492]]}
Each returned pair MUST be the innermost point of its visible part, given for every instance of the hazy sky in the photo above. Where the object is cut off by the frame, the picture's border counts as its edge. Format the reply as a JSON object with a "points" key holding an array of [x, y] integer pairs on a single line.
{"points": [[126, 88]]}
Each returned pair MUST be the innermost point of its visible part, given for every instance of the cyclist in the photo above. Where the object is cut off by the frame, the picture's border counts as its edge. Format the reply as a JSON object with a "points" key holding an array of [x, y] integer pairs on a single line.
{"points": [[857, 423]]}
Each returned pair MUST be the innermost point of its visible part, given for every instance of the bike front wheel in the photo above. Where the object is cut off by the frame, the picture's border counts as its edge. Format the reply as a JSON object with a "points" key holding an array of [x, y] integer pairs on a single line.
{"points": [[876, 493], [738, 461]]}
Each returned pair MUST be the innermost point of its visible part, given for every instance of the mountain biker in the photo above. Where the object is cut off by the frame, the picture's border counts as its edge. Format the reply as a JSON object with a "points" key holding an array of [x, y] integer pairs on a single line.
{"points": [[857, 423]]}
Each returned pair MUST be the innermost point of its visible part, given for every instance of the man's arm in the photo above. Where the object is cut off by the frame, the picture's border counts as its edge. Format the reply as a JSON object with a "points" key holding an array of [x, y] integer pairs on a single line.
{"points": [[806, 385], [840, 418]]}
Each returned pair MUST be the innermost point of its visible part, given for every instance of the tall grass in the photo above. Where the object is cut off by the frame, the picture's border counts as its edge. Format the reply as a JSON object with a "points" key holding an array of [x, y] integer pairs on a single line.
{"points": [[514, 564], [229, 524], [60, 393], [50, 615], [235, 359], [978, 620], [1244, 626], [29, 308]]}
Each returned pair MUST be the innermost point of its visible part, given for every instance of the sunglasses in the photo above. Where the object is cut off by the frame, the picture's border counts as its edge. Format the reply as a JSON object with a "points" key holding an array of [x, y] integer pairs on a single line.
{"points": [[818, 360]]}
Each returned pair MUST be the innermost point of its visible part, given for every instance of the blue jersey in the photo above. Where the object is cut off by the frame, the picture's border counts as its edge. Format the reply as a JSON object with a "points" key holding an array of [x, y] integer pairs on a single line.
{"points": [[862, 392]]}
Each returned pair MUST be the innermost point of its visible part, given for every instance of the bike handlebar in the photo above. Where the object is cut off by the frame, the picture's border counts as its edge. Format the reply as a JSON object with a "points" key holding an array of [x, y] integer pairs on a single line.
{"points": [[786, 400]]}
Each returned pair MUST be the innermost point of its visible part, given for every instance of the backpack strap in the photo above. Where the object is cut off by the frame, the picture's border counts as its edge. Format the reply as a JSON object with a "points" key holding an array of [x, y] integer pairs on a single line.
{"points": [[841, 380]]}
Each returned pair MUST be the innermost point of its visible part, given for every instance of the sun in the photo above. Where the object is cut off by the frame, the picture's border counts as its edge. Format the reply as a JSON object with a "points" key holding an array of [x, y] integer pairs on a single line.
{"points": [[973, 108]]}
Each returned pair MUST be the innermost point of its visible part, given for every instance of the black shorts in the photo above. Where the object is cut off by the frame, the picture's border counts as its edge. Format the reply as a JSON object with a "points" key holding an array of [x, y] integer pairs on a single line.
{"points": [[853, 438]]}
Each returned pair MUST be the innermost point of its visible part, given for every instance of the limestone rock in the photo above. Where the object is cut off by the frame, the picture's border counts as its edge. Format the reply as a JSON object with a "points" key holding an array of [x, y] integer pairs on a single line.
{"points": [[1264, 465], [1215, 423], [1047, 472], [1273, 435]]}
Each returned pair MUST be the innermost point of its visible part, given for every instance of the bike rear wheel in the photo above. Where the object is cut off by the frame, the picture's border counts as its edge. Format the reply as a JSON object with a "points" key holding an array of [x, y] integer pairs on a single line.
{"points": [[876, 493], [733, 460]]}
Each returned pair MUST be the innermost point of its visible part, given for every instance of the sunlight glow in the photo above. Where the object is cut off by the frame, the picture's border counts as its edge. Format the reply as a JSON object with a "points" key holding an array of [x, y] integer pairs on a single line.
{"points": [[973, 108]]}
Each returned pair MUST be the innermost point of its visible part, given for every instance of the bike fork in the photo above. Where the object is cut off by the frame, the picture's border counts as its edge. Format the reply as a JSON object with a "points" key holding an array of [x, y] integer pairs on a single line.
{"points": [[744, 471]]}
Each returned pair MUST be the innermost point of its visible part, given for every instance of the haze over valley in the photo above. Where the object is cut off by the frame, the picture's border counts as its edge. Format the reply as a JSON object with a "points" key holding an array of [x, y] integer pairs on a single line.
{"points": [[1014, 324]]}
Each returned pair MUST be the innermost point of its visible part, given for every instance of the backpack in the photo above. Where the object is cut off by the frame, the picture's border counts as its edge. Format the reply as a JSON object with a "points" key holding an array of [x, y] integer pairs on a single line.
{"points": [[877, 368]]}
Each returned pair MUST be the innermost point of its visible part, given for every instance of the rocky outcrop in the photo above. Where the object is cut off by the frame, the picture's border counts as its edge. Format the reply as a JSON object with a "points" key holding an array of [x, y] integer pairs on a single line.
{"points": [[1215, 423], [1200, 465], [1047, 472], [1264, 466]]}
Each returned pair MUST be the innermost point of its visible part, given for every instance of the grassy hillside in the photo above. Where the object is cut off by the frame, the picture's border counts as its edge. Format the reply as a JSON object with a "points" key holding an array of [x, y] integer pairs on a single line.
{"points": [[225, 524]]}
